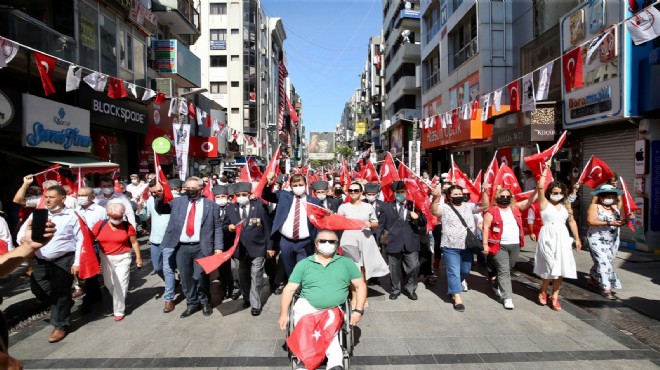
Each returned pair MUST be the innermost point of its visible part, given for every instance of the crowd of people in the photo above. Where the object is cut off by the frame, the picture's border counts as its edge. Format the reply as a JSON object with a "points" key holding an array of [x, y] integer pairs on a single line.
{"points": [[275, 236]]}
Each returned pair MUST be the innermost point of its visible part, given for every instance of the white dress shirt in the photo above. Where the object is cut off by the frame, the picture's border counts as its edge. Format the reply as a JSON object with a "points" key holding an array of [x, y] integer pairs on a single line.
{"points": [[92, 214], [287, 228], [102, 201], [199, 209], [67, 238], [5, 234], [136, 190]]}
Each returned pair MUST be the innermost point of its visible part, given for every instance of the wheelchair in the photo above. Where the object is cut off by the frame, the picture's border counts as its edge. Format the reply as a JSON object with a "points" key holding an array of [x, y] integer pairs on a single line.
{"points": [[345, 334]]}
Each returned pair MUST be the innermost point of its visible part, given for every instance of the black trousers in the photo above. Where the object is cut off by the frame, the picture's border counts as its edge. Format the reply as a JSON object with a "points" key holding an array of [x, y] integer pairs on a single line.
{"points": [[410, 263], [51, 283], [194, 281]]}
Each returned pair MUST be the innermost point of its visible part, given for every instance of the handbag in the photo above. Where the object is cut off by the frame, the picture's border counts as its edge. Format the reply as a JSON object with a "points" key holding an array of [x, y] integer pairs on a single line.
{"points": [[472, 244]]}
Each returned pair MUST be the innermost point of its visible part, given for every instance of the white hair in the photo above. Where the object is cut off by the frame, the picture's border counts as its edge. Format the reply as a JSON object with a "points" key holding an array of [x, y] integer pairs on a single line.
{"points": [[115, 207]]}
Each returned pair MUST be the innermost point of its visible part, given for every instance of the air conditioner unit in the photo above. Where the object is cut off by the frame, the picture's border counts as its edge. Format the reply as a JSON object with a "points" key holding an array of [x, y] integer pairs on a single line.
{"points": [[164, 85], [263, 27], [263, 51], [262, 101], [263, 75]]}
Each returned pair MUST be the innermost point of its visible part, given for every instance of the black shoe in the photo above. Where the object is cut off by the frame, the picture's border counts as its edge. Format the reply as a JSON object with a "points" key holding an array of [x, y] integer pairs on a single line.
{"points": [[227, 294], [459, 307], [235, 296], [394, 296], [255, 312], [278, 290], [246, 304], [207, 310], [412, 296], [189, 311]]}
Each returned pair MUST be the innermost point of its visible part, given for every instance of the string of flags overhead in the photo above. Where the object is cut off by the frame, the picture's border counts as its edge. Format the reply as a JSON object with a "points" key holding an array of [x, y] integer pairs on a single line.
{"points": [[117, 89], [523, 93]]}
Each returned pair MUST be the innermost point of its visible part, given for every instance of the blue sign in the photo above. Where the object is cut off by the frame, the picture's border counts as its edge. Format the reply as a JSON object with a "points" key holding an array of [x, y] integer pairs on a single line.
{"points": [[218, 45], [655, 186]]}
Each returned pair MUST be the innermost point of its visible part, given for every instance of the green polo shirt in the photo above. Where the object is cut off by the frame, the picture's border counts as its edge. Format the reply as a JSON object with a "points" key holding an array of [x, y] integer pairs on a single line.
{"points": [[325, 287]]}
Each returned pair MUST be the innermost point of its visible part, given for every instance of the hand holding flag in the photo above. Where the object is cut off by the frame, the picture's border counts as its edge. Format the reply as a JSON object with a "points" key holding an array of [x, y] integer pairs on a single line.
{"points": [[322, 219]]}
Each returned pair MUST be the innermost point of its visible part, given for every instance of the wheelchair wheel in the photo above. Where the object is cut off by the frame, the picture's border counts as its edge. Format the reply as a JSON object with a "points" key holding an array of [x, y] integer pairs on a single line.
{"points": [[346, 329]]}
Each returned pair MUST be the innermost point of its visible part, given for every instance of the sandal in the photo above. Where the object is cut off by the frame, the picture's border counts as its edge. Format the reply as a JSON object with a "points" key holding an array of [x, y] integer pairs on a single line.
{"points": [[554, 304], [608, 294], [543, 298]]}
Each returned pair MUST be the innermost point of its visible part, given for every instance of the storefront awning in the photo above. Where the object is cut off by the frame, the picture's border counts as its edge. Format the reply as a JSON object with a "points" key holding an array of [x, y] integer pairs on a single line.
{"points": [[84, 164]]}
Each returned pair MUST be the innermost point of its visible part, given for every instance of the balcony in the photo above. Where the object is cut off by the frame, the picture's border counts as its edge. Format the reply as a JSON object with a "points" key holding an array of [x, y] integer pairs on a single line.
{"points": [[408, 18], [179, 15], [18, 26], [465, 53], [405, 53], [175, 61]]}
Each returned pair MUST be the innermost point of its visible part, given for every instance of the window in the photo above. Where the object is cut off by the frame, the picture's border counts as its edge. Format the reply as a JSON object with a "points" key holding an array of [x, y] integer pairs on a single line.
{"points": [[218, 61], [126, 49], [431, 70], [235, 58], [218, 87], [89, 52], [140, 56], [463, 38], [234, 84], [234, 31], [218, 8], [432, 22], [235, 110], [108, 32], [218, 35]]}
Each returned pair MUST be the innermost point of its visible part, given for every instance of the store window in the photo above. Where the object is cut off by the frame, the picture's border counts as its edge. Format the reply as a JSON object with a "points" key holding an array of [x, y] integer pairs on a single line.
{"points": [[219, 87], [218, 8], [218, 61]]}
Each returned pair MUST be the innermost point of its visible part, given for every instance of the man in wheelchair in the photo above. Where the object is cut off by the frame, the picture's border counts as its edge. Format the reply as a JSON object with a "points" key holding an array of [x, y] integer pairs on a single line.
{"points": [[324, 279]]}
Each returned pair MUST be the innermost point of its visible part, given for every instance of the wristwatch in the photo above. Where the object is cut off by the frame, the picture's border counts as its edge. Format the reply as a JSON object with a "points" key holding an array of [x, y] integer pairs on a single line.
{"points": [[361, 312]]}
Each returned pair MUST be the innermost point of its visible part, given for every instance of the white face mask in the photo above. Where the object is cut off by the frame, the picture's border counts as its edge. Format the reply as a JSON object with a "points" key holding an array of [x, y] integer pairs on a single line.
{"points": [[298, 190], [276, 188], [321, 197], [242, 200], [330, 183], [608, 201], [107, 191], [55, 208], [556, 197], [221, 202], [83, 202], [134, 182], [115, 222], [327, 249], [371, 198]]}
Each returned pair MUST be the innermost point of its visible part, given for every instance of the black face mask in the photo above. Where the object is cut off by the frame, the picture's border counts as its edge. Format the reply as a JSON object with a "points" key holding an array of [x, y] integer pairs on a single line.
{"points": [[339, 192], [504, 201], [192, 194], [466, 198], [457, 201]]}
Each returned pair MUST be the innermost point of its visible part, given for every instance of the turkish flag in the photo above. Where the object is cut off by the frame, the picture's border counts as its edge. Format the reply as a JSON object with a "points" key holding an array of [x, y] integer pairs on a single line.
{"points": [[454, 119], [272, 167], [46, 66], [514, 96], [116, 89], [506, 179], [255, 172], [117, 184], [536, 162], [417, 192], [388, 174], [475, 109], [313, 334], [370, 173], [50, 173], [211, 263], [477, 181], [571, 64], [245, 174], [320, 218], [162, 180], [595, 173], [207, 192], [629, 205], [145, 194], [203, 147], [462, 180], [489, 177], [191, 111], [160, 98], [4, 247], [89, 264]]}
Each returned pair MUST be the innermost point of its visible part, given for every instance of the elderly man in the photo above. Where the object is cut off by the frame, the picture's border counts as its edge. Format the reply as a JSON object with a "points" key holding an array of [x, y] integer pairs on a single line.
{"points": [[57, 262], [136, 187], [254, 243], [194, 227], [108, 195], [228, 272], [36, 201], [324, 278], [320, 189], [162, 259], [90, 213]]}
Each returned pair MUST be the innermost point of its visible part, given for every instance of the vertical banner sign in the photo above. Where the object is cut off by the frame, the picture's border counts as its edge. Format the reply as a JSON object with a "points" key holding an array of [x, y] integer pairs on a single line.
{"points": [[181, 145], [654, 204]]}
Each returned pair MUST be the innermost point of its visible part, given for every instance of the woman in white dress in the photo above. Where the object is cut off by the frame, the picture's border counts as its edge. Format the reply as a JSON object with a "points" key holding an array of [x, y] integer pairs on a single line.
{"points": [[554, 259], [361, 245]]}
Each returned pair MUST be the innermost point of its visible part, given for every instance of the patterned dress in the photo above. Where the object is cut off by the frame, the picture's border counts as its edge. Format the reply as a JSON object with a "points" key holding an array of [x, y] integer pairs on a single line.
{"points": [[603, 245]]}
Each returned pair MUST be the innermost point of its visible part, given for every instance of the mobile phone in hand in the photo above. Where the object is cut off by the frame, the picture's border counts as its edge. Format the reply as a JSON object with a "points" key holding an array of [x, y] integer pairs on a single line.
{"points": [[39, 219]]}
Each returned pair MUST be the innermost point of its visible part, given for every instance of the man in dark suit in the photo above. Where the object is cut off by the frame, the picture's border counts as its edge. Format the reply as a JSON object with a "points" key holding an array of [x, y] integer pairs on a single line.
{"points": [[194, 228], [320, 189], [371, 191], [228, 271], [254, 243], [403, 224], [291, 222]]}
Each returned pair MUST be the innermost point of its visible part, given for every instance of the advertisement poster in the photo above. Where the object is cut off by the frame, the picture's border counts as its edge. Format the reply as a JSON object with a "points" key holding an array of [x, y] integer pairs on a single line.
{"points": [[464, 92], [182, 144], [321, 146]]}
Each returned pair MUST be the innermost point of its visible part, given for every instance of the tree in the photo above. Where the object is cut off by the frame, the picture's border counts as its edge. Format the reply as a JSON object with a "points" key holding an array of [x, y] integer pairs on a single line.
{"points": [[344, 151]]}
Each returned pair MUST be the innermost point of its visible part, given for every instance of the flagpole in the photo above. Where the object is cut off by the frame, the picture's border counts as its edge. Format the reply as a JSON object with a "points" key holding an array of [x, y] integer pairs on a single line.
{"points": [[554, 151], [80, 179], [538, 148], [156, 164], [584, 169], [46, 171]]}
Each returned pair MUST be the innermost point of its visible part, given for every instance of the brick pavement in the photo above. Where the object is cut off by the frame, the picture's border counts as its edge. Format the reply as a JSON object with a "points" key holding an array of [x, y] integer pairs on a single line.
{"points": [[399, 334]]}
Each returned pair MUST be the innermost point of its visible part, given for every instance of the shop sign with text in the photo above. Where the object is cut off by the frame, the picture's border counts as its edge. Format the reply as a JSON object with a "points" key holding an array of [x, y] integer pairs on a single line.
{"points": [[52, 125]]}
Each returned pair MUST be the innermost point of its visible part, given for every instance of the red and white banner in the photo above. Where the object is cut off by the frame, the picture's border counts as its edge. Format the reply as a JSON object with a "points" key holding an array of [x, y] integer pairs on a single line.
{"points": [[182, 146], [203, 147], [571, 63]]}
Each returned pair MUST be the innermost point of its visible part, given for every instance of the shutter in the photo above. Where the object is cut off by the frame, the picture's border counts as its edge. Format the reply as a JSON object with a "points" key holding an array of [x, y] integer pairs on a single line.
{"points": [[616, 149]]}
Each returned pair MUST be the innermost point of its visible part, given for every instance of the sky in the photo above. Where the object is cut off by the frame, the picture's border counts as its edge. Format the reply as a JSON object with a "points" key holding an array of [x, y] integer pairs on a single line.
{"points": [[326, 47]]}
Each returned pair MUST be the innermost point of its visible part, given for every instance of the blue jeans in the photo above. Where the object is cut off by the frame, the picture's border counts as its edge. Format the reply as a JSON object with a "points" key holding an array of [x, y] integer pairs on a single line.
{"points": [[168, 268], [157, 260], [458, 263]]}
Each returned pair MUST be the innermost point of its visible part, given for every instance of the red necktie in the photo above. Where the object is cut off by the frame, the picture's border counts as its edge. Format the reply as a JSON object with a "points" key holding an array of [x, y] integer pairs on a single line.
{"points": [[296, 220], [190, 224]]}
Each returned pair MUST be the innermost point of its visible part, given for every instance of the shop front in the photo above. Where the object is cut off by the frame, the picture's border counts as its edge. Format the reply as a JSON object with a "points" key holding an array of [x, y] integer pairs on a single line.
{"points": [[159, 124]]}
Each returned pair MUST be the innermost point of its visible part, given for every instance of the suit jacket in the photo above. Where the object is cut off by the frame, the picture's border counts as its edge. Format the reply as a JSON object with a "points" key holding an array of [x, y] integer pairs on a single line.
{"points": [[379, 205], [284, 200], [227, 236], [210, 231], [333, 203], [255, 236], [403, 235]]}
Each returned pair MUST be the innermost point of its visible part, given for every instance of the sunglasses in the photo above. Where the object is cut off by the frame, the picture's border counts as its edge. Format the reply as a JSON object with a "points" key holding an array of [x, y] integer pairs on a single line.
{"points": [[505, 197], [553, 193], [354, 191], [331, 241]]}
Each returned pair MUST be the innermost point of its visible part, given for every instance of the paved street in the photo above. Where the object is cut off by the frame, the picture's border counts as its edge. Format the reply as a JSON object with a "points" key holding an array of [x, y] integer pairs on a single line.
{"points": [[401, 334]]}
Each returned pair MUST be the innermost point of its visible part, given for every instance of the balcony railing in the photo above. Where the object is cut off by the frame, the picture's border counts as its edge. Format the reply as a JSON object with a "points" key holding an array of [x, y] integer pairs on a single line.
{"points": [[467, 52], [20, 27]]}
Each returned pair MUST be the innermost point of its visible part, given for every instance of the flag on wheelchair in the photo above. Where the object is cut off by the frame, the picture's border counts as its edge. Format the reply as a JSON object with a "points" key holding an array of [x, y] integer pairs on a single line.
{"points": [[313, 334]]}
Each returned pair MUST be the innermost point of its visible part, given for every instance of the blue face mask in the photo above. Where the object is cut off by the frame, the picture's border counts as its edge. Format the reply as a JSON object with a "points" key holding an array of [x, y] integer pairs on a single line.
{"points": [[400, 197]]}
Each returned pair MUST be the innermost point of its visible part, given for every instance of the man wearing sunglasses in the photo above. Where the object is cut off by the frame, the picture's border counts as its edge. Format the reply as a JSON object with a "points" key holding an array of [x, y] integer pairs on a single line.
{"points": [[324, 279]]}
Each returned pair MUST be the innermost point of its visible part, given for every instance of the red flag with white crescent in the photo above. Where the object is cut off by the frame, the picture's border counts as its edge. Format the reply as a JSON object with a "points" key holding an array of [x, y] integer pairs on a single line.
{"points": [[629, 205], [595, 173], [506, 179], [388, 174], [313, 334]]}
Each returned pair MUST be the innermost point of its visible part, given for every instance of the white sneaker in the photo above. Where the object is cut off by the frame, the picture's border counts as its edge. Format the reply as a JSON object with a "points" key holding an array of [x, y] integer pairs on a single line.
{"points": [[464, 284], [508, 304]]}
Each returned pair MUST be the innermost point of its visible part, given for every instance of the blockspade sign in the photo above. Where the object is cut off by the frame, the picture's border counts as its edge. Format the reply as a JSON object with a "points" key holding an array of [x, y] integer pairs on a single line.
{"points": [[161, 145]]}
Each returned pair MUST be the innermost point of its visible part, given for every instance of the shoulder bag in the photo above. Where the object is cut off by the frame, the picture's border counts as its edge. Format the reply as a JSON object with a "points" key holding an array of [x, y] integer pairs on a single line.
{"points": [[471, 242]]}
